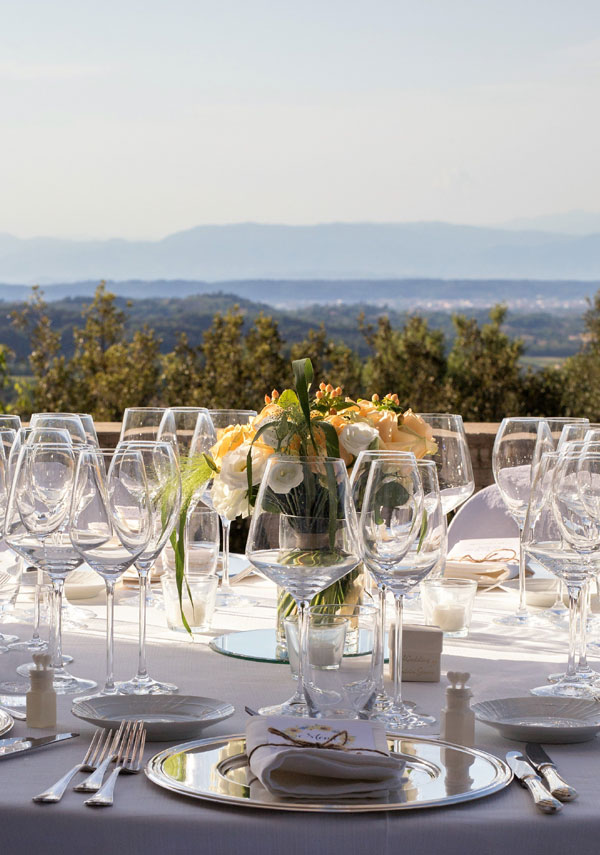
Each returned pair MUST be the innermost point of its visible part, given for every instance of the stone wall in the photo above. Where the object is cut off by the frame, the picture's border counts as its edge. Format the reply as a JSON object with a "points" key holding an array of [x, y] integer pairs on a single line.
{"points": [[480, 437]]}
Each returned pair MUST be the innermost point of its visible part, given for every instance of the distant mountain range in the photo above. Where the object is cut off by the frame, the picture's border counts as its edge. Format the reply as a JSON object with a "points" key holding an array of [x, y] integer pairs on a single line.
{"points": [[331, 251]]}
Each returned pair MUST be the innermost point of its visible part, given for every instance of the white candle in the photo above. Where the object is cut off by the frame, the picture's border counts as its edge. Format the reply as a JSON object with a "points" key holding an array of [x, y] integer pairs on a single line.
{"points": [[449, 617], [326, 645]]}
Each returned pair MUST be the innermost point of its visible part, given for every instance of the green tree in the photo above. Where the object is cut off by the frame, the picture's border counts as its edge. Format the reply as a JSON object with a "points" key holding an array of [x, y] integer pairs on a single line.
{"points": [[384, 367], [344, 369], [581, 373], [265, 367], [224, 367], [181, 376], [314, 347], [483, 369]]}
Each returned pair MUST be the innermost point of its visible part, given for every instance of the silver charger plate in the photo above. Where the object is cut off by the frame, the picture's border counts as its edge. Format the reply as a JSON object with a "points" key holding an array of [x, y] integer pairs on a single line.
{"points": [[439, 774], [165, 716], [541, 719], [6, 722]]}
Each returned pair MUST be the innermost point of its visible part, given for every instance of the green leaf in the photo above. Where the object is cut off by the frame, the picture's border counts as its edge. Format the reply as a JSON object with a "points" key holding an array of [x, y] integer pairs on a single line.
{"points": [[303, 377], [331, 438], [288, 399]]}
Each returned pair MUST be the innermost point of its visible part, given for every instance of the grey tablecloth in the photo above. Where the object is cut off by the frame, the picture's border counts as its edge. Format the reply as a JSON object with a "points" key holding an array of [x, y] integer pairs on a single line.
{"points": [[147, 820]]}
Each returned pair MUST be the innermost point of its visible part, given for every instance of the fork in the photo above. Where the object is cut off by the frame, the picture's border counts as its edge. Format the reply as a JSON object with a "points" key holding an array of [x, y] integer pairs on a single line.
{"points": [[93, 782], [129, 759], [93, 756]]}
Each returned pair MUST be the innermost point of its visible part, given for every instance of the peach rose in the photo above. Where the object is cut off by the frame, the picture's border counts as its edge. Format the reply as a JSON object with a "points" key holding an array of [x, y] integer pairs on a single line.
{"points": [[415, 435]]}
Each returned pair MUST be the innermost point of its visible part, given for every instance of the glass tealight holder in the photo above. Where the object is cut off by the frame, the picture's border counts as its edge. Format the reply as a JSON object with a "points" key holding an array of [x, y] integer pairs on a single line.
{"points": [[198, 610], [448, 604]]}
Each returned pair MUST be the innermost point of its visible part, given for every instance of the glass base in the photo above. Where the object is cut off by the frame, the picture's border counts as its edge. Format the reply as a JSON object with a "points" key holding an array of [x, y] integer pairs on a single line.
{"points": [[32, 646], [26, 667], [226, 598], [295, 705], [146, 687], [4, 649], [65, 683], [7, 639], [17, 702], [525, 620], [403, 718], [585, 678], [384, 702], [14, 687], [565, 689]]}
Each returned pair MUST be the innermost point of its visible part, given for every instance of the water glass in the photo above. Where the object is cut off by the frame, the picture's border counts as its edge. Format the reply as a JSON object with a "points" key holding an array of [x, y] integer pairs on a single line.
{"points": [[448, 604]]}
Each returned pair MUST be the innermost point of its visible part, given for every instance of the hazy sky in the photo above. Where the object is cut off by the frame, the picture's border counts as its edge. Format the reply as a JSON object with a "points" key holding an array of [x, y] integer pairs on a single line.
{"points": [[137, 119]]}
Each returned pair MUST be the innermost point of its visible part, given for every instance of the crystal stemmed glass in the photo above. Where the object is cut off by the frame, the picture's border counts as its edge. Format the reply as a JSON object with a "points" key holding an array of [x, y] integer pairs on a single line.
{"points": [[575, 432], [149, 423], [303, 533], [191, 423], [164, 500], [37, 528], [453, 459], [12, 421], [563, 536], [518, 443], [89, 429], [62, 421], [110, 523], [222, 419], [403, 533], [358, 482]]}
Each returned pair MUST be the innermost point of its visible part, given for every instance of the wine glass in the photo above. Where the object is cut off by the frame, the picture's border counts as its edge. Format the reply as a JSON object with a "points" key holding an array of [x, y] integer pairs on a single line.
{"points": [[149, 423], [191, 424], [8, 420], [403, 533], [89, 429], [110, 523], [575, 432], [65, 421], [453, 459], [164, 500], [518, 443], [222, 419], [358, 482], [37, 528], [303, 533]]}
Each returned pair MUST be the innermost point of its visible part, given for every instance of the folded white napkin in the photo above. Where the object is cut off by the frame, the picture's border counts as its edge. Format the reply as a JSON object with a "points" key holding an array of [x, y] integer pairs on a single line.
{"points": [[283, 760], [487, 560]]}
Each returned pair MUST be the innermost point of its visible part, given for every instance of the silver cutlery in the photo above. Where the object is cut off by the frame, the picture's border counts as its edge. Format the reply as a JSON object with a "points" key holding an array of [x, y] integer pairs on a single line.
{"points": [[528, 778], [543, 764], [94, 754], [129, 760], [19, 744], [250, 711], [93, 782], [16, 714]]}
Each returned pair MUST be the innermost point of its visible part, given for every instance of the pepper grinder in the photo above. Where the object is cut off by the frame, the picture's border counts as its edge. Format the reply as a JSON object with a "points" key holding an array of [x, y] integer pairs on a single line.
{"points": [[458, 719], [41, 698]]}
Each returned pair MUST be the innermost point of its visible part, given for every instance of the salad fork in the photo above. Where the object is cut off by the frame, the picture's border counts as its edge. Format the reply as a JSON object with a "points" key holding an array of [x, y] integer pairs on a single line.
{"points": [[93, 756], [93, 782], [129, 759]]}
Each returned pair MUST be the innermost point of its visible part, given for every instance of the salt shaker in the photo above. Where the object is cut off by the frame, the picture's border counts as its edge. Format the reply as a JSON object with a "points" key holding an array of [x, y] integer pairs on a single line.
{"points": [[41, 698], [458, 719]]}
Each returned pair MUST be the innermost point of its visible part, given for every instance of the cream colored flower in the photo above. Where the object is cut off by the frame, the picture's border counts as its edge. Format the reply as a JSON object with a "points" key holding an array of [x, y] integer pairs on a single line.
{"points": [[234, 465], [357, 437], [229, 503], [285, 475], [414, 435]]}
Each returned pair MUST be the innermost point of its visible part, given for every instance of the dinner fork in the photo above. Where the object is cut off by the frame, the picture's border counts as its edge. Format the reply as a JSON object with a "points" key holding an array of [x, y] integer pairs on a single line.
{"points": [[93, 782], [93, 756], [129, 759]]}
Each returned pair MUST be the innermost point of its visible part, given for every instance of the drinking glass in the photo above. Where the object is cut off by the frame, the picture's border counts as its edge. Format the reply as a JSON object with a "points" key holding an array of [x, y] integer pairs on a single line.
{"points": [[163, 482], [574, 432], [62, 421], [191, 425], [89, 429], [303, 533], [11, 421], [222, 419], [149, 423], [110, 523], [453, 459], [518, 443], [36, 527], [358, 482], [556, 510]]}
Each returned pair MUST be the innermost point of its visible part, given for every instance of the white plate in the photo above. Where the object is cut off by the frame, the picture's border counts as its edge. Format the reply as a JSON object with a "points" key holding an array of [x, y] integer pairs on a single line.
{"points": [[538, 719], [6, 722], [166, 716], [84, 584]]}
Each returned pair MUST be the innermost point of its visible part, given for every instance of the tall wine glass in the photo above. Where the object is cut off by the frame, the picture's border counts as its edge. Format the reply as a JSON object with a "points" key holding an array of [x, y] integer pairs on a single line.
{"points": [[187, 420], [575, 432], [4, 485], [37, 528], [358, 481], [222, 419], [164, 500], [110, 523], [518, 443], [453, 459], [303, 533], [11, 421], [89, 428], [403, 531], [62, 421], [149, 423]]}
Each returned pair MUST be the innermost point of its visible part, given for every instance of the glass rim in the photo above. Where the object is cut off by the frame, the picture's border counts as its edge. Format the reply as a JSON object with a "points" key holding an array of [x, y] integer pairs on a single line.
{"points": [[450, 583], [309, 458], [368, 607], [442, 415]]}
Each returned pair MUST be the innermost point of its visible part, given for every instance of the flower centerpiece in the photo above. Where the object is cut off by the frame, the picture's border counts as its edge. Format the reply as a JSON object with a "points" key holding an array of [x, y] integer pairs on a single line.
{"points": [[298, 422]]}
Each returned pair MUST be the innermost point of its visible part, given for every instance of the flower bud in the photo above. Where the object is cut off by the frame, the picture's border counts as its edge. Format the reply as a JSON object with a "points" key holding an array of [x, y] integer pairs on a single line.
{"points": [[319, 395], [274, 394], [337, 392], [329, 388], [322, 387], [375, 397], [267, 399]]}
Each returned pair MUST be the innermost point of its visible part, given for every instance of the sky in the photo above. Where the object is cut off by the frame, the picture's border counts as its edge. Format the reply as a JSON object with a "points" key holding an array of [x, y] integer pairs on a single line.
{"points": [[138, 119]]}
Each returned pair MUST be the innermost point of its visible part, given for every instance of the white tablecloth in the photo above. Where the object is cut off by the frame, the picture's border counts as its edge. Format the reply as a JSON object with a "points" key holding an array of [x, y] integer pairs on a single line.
{"points": [[148, 820]]}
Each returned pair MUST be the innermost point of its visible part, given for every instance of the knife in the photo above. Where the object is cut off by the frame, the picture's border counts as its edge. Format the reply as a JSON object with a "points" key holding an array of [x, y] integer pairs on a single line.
{"points": [[18, 744], [527, 777], [542, 763]]}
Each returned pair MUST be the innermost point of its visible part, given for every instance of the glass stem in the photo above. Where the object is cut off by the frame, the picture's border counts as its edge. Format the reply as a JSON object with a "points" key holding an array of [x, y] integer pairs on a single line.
{"points": [[37, 604], [573, 597], [302, 643], [399, 599], [380, 642], [583, 618], [142, 671], [522, 610], [226, 527], [109, 685], [56, 624]]}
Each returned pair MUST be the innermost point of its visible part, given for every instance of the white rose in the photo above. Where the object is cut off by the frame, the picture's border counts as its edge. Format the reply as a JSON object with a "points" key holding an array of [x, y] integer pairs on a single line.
{"points": [[229, 503], [285, 475], [234, 465], [269, 436], [357, 437]]}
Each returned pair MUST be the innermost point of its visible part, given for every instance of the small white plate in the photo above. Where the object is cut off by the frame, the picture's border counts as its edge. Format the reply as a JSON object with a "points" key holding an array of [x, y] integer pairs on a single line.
{"points": [[84, 584], [6, 722], [166, 717], [538, 719]]}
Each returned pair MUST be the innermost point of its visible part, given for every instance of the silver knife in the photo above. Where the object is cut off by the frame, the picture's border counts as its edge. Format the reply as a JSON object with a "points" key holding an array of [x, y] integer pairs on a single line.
{"points": [[542, 763], [18, 744], [527, 777]]}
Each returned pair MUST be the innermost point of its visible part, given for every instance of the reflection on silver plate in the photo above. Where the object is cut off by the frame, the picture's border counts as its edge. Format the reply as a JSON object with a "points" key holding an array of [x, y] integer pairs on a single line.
{"points": [[438, 774], [259, 645], [541, 719], [165, 716], [6, 722]]}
